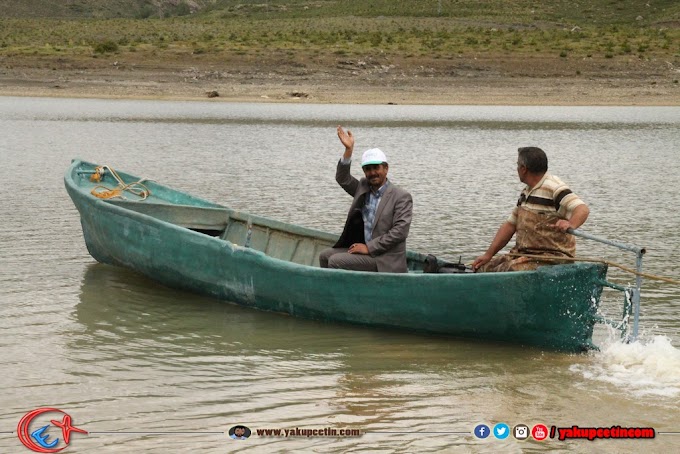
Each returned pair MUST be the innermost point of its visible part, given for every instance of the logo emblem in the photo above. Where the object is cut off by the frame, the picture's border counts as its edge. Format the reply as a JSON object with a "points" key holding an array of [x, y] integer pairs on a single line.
{"points": [[501, 431], [521, 432], [482, 431], [40, 437], [539, 432]]}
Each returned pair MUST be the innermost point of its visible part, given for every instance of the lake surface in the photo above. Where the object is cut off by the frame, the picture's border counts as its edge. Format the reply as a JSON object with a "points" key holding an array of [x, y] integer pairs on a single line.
{"points": [[148, 369]]}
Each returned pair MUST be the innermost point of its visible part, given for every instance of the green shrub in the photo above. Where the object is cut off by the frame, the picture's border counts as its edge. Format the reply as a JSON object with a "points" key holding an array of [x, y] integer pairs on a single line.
{"points": [[106, 47], [146, 12], [181, 10]]}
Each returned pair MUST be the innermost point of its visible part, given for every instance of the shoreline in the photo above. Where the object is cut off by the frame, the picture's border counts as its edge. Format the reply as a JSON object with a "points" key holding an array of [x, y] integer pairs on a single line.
{"points": [[460, 81]]}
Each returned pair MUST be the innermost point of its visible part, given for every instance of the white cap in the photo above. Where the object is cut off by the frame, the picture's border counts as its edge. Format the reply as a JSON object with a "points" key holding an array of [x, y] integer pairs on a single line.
{"points": [[373, 156]]}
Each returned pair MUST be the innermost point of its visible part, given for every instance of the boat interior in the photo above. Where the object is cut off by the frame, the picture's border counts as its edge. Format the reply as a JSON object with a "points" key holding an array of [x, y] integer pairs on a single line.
{"points": [[275, 239]]}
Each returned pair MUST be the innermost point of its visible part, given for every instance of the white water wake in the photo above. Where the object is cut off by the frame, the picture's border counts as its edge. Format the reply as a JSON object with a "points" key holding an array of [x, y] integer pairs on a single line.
{"points": [[647, 367]]}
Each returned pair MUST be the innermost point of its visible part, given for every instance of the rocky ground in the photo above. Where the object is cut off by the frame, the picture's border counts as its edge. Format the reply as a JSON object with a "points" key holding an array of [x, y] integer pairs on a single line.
{"points": [[376, 79]]}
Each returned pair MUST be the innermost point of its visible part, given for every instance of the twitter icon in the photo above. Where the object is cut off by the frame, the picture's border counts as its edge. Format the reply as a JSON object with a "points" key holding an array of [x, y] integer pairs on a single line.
{"points": [[501, 431]]}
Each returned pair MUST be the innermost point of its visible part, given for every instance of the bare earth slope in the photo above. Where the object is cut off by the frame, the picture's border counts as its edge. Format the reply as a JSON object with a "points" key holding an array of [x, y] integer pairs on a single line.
{"points": [[539, 80]]}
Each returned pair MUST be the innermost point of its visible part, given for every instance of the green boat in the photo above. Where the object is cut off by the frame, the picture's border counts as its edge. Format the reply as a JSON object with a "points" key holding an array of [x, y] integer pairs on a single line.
{"points": [[185, 242]]}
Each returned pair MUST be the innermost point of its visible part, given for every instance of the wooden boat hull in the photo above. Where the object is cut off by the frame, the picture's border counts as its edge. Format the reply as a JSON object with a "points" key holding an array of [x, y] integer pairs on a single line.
{"points": [[553, 307]]}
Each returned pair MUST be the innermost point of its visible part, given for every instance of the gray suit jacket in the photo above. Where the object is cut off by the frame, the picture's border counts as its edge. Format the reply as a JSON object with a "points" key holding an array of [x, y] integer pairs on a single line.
{"points": [[391, 225]]}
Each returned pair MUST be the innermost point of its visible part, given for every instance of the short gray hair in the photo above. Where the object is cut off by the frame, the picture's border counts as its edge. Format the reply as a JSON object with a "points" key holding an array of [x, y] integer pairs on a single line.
{"points": [[533, 158]]}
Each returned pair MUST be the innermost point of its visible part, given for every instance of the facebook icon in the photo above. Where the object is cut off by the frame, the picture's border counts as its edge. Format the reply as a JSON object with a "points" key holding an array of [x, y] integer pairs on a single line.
{"points": [[482, 431]]}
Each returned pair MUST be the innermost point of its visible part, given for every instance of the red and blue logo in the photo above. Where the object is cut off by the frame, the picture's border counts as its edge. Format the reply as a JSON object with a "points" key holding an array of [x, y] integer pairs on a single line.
{"points": [[40, 437]]}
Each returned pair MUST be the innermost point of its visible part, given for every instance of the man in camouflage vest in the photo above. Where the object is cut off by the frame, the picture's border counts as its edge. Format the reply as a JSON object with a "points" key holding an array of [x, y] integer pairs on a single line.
{"points": [[545, 210]]}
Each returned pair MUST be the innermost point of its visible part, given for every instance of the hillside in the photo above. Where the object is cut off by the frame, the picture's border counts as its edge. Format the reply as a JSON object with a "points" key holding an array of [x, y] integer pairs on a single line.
{"points": [[594, 12], [101, 9], [434, 51]]}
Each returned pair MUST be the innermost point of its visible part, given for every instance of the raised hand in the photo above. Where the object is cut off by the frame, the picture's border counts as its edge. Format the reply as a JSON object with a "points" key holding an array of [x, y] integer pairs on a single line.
{"points": [[346, 138]]}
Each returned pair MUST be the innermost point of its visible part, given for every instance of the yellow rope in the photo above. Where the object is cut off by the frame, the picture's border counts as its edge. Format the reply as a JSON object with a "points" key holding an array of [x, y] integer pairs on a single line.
{"points": [[607, 262], [102, 192]]}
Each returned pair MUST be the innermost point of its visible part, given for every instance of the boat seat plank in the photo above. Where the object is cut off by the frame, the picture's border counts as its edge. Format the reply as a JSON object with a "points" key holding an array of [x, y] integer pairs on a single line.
{"points": [[191, 217], [259, 238], [304, 253], [235, 232], [279, 244]]}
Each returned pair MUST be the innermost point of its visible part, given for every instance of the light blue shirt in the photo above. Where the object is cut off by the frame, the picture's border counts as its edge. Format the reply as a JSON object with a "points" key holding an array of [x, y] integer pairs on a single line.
{"points": [[370, 208]]}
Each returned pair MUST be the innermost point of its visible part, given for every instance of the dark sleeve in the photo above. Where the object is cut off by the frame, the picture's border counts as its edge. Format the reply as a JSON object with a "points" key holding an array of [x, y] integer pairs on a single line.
{"points": [[345, 179]]}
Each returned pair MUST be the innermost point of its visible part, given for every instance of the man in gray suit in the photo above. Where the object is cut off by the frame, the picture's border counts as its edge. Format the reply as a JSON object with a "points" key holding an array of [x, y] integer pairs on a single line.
{"points": [[374, 237]]}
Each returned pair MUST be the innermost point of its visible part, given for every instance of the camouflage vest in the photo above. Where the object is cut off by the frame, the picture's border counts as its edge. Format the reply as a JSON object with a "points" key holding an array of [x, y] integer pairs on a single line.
{"points": [[536, 234]]}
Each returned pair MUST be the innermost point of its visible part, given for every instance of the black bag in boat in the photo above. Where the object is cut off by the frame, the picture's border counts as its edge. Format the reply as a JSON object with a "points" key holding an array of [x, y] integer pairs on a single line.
{"points": [[434, 265]]}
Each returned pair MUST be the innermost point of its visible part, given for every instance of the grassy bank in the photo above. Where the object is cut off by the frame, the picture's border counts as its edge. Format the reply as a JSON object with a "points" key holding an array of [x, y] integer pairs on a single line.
{"points": [[417, 27], [413, 36]]}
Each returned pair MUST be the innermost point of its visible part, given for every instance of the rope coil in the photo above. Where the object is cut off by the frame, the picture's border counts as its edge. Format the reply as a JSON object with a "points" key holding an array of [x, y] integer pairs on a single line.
{"points": [[103, 192]]}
